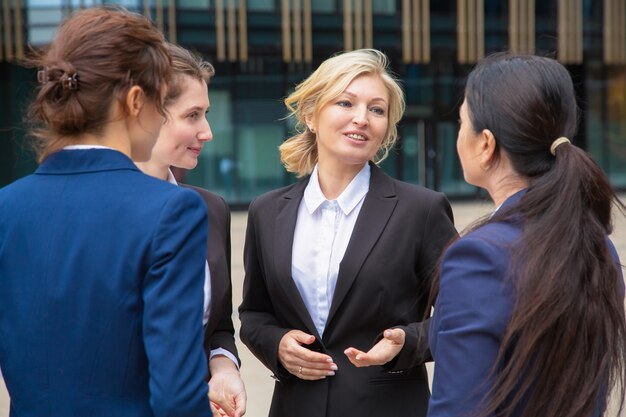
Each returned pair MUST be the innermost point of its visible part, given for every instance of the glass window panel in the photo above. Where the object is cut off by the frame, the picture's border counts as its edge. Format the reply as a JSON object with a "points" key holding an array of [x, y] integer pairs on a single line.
{"points": [[616, 125], [410, 146], [193, 4], [323, 6], [45, 16], [384, 6], [450, 175], [41, 35], [44, 3], [259, 168], [261, 5]]}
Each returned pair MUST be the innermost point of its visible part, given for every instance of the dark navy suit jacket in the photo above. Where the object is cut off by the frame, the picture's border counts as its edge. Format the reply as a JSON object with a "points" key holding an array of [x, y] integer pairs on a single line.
{"points": [[101, 288], [473, 308], [219, 331]]}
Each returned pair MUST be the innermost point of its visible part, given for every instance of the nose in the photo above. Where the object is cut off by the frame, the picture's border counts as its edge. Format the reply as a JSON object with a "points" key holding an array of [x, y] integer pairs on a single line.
{"points": [[360, 116], [205, 135]]}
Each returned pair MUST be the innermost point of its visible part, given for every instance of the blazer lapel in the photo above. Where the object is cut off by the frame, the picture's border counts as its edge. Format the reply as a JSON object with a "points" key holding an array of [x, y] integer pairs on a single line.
{"points": [[287, 214], [377, 208]]}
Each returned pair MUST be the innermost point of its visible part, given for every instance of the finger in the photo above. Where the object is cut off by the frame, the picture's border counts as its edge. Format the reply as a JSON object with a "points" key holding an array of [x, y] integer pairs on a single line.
{"points": [[395, 336], [358, 358], [300, 355], [240, 410], [312, 374], [302, 337], [214, 409]]}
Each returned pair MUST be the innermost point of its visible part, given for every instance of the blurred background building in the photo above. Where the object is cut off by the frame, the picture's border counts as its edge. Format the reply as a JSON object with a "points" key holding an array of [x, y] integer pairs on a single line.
{"points": [[262, 48]]}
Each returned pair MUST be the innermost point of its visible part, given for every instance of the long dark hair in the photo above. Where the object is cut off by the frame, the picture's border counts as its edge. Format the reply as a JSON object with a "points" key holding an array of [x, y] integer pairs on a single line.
{"points": [[564, 347]]}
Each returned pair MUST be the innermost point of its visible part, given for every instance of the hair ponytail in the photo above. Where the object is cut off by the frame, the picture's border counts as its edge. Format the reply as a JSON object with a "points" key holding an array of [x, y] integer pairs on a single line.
{"points": [[564, 347]]}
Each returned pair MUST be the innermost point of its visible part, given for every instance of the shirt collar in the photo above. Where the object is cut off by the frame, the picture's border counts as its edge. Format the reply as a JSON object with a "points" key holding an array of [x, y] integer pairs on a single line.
{"points": [[349, 198], [86, 146], [170, 177]]}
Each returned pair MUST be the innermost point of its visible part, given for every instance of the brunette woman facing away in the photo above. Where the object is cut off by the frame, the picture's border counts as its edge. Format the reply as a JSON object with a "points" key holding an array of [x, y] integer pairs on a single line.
{"points": [[180, 141], [529, 320], [101, 265], [344, 254]]}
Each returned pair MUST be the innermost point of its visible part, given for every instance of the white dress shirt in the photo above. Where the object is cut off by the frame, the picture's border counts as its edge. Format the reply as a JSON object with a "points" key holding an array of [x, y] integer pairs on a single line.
{"points": [[323, 230]]}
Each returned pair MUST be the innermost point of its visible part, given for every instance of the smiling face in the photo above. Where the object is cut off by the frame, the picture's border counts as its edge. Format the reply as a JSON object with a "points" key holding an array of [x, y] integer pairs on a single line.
{"points": [[182, 137], [350, 129]]}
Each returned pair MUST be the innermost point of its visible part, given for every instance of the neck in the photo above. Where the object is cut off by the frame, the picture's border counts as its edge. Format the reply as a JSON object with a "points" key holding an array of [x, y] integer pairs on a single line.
{"points": [[115, 136], [154, 169], [504, 187], [334, 179]]}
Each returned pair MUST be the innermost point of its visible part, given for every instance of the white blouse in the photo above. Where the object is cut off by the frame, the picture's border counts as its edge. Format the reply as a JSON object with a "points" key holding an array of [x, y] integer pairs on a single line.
{"points": [[323, 230]]}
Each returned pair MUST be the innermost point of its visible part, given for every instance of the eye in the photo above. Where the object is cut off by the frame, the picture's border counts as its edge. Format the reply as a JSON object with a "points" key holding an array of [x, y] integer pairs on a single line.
{"points": [[344, 103], [193, 115], [378, 110]]}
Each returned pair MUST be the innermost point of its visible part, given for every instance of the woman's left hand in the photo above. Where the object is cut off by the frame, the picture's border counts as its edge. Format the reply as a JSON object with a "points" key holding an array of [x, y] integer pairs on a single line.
{"points": [[226, 390], [381, 353]]}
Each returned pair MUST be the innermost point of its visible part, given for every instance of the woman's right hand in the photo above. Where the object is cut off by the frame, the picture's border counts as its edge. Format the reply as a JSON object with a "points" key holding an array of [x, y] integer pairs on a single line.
{"points": [[303, 362]]}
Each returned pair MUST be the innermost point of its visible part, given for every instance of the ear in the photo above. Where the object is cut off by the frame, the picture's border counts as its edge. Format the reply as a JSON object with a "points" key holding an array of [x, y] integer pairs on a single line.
{"points": [[135, 100], [310, 122], [487, 147]]}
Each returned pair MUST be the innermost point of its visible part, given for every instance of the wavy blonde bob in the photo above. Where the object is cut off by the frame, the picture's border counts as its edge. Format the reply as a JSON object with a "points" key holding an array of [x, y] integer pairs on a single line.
{"points": [[299, 153]]}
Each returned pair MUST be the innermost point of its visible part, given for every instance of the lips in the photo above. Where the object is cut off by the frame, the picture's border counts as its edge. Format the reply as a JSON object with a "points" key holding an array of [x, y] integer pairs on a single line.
{"points": [[195, 150], [356, 136]]}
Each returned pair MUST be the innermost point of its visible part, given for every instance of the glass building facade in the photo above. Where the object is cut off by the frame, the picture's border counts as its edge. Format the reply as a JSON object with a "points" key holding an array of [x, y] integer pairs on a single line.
{"points": [[262, 48]]}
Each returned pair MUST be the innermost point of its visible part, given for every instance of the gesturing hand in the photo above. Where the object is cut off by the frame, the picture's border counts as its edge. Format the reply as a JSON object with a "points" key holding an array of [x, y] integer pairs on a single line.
{"points": [[302, 362], [381, 353]]}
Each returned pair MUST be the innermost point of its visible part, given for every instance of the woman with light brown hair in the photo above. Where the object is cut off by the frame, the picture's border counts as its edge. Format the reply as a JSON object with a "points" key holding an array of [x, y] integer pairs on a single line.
{"points": [[343, 255], [180, 142]]}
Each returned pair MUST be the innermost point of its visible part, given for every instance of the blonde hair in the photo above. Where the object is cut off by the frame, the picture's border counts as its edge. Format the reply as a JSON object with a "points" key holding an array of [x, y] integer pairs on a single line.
{"points": [[299, 153]]}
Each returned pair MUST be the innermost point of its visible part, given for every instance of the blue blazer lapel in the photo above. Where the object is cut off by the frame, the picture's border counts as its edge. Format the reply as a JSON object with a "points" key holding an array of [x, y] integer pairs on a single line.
{"points": [[377, 208], [287, 214]]}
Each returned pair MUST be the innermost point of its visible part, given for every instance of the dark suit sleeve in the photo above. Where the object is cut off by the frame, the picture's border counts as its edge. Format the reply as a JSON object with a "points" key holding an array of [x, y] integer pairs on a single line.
{"points": [[173, 298], [224, 334], [439, 231], [471, 313], [260, 330]]}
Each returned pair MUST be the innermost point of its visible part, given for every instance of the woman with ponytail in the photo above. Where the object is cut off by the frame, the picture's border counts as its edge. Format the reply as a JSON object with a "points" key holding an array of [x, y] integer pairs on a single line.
{"points": [[529, 319]]}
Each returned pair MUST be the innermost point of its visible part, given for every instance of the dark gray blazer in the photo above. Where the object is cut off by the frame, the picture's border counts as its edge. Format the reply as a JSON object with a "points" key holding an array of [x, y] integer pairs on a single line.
{"points": [[383, 282], [219, 331]]}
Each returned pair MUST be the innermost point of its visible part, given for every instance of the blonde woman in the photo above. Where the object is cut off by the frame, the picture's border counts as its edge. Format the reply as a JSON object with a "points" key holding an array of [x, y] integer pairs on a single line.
{"points": [[343, 255], [179, 144]]}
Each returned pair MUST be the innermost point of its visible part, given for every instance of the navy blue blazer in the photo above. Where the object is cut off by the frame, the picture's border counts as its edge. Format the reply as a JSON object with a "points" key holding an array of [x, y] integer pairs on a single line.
{"points": [[101, 289], [474, 305]]}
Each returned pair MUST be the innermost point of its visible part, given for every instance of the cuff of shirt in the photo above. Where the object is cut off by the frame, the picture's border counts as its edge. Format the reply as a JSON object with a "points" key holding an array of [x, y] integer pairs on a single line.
{"points": [[222, 351]]}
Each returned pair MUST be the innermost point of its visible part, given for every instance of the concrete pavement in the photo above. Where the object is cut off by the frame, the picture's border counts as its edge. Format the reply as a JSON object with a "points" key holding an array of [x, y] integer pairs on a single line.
{"points": [[257, 378]]}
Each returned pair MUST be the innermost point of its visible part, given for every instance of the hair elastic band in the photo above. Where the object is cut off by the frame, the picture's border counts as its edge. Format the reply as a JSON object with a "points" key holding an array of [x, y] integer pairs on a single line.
{"points": [[557, 143]]}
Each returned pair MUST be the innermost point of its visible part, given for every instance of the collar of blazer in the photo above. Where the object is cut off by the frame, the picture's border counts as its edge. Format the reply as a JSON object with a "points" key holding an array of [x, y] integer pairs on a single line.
{"points": [[85, 160], [377, 208]]}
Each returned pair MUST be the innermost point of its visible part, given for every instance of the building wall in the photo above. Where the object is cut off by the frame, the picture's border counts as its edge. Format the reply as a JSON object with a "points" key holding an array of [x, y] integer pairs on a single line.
{"points": [[262, 48]]}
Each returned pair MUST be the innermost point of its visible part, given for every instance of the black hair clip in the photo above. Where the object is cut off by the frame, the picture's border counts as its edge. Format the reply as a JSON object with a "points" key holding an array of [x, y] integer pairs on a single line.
{"points": [[70, 82]]}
